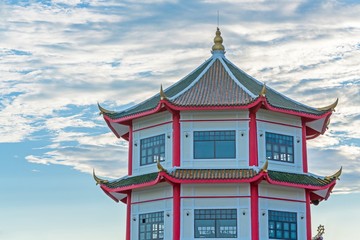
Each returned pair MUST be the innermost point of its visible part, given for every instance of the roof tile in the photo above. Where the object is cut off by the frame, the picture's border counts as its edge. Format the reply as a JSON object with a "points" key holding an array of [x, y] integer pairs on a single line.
{"points": [[222, 174]]}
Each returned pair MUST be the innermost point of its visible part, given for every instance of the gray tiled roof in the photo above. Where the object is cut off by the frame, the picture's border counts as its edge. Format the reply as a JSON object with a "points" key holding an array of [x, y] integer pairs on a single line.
{"points": [[217, 82], [223, 174]]}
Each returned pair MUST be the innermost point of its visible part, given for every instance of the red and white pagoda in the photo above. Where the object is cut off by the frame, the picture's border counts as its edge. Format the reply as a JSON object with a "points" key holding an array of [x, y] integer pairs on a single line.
{"points": [[218, 155]]}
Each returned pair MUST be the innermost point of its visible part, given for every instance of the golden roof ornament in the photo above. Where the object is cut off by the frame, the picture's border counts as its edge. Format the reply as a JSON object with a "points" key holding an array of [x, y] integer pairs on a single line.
{"points": [[218, 40], [334, 176], [103, 110], [330, 107], [99, 180], [265, 166], [162, 94], [263, 91], [160, 167]]}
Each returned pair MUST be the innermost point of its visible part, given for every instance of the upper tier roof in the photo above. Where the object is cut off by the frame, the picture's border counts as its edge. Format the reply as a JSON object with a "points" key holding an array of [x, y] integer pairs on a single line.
{"points": [[218, 83]]}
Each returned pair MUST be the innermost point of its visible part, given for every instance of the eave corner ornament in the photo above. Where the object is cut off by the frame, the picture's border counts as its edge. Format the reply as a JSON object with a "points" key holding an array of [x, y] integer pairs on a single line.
{"points": [[265, 167], [160, 167], [103, 110], [335, 175], [330, 107], [263, 91], [99, 180], [162, 94]]}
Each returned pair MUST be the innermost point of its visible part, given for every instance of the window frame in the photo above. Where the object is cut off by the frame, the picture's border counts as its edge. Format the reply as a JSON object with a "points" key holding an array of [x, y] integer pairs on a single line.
{"points": [[280, 141], [227, 137], [277, 222], [216, 216], [150, 140], [156, 223]]}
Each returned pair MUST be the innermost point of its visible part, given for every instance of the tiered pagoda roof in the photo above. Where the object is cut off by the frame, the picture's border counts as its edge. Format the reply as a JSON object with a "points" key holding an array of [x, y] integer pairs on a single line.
{"points": [[218, 83], [320, 186]]}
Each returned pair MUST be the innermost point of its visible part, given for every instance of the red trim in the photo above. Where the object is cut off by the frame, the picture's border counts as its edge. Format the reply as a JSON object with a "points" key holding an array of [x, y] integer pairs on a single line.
{"points": [[308, 215], [277, 123], [254, 190], [163, 176], [292, 112], [282, 199], [170, 106], [109, 194], [191, 197], [176, 139], [153, 200], [176, 213], [152, 126], [217, 120], [130, 153], [304, 149], [128, 216], [325, 123], [253, 145], [313, 136], [303, 186], [111, 127], [130, 187]]}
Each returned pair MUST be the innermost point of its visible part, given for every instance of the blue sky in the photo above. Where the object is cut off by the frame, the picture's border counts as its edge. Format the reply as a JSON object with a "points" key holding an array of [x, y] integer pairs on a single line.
{"points": [[59, 58]]}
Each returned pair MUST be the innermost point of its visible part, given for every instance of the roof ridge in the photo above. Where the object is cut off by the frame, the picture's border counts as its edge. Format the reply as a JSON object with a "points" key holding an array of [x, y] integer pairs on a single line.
{"points": [[271, 89], [243, 72]]}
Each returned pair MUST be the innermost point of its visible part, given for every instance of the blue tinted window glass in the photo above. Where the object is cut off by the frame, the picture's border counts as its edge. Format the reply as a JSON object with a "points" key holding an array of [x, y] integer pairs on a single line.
{"points": [[152, 149], [282, 225], [214, 144], [279, 147]]}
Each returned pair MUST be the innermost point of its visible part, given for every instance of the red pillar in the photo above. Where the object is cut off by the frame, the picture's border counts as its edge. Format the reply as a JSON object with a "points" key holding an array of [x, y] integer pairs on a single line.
{"points": [[176, 139], [308, 215], [128, 216], [253, 145], [254, 190], [176, 213], [130, 149], [304, 149]]}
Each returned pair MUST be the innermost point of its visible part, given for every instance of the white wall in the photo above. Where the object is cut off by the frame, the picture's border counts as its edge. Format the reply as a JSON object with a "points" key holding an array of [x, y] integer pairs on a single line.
{"points": [[149, 200], [289, 125], [215, 196], [148, 127], [210, 121], [156, 124], [281, 199]]}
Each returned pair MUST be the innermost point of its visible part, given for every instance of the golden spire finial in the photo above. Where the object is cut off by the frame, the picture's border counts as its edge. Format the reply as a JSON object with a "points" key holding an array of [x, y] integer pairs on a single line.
{"points": [[218, 40]]}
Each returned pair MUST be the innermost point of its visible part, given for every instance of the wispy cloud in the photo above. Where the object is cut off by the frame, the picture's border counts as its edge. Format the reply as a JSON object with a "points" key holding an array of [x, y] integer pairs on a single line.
{"points": [[57, 59]]}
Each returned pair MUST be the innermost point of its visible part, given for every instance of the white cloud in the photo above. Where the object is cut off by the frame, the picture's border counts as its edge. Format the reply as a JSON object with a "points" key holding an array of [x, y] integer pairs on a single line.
{"points": [[56, 56]]}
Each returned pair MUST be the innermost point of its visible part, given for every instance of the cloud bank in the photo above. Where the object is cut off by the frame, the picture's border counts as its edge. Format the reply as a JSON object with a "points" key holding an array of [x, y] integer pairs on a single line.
{"points": [[58, 58]]}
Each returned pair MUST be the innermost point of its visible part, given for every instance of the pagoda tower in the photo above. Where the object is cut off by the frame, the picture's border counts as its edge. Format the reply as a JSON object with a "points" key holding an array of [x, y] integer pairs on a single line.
{"points": [[218, 155]]}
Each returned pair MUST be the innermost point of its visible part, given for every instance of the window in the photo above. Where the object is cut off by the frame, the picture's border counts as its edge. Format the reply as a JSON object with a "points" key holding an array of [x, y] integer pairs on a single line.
{"points": [[282, 225], [214, 144], [279, 147], [215, 223], [152, 149], [151, 226]]}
